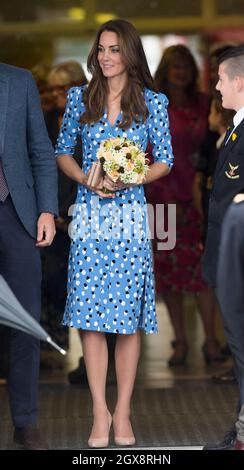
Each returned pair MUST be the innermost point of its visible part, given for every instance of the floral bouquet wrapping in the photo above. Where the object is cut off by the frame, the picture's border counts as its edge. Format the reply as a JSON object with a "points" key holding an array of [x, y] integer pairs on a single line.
{"points": [[123, 160]]}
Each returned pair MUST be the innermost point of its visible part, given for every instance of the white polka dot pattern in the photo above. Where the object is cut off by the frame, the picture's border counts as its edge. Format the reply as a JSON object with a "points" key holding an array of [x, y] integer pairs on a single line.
{"points": [[110, 274]]}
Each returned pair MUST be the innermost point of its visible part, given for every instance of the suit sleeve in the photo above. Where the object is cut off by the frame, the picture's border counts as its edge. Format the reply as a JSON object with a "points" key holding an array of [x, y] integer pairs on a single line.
{"points": [[41, 153]]}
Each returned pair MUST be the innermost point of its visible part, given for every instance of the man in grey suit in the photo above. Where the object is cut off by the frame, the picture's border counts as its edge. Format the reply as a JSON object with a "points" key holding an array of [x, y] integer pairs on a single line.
{"points": [[28, 203]]}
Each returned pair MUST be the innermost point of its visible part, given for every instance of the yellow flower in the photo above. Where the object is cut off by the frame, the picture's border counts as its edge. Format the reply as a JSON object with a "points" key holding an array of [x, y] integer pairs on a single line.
{"points": [[234, 136]]}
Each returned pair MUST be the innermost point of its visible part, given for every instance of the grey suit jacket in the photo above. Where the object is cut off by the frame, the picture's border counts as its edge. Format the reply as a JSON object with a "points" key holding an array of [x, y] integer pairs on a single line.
{"points": [[25, 149]]}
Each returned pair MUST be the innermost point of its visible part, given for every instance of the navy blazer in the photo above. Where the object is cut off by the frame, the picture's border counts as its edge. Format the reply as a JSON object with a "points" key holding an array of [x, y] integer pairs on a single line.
{"points": [[25, 150], [227, 182]]}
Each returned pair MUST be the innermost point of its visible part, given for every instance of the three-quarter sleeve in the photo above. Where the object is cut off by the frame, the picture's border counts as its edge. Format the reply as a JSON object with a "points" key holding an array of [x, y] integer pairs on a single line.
{"points": [[158, 128], [71, 127]]}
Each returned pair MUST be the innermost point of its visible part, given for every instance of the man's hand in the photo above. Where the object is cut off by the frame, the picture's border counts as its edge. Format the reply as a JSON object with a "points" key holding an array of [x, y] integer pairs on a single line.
{"points": [[45, 230]]}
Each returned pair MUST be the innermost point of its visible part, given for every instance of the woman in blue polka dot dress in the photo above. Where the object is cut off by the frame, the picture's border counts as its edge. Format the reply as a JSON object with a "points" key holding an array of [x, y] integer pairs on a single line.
{"points": [[110, 278]]}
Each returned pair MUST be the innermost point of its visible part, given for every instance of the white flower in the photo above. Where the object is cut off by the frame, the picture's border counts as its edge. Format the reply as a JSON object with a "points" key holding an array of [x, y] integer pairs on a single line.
{"points": [[123, 160]]}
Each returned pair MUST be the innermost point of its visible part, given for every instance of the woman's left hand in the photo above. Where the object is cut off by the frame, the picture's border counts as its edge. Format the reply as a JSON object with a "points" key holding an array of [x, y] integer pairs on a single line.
{"points": [[111, 185]]}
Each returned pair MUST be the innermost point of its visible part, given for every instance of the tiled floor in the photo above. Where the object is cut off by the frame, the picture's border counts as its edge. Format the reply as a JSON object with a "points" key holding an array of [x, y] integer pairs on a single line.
{"points": [[171, 406], [191, 413]]}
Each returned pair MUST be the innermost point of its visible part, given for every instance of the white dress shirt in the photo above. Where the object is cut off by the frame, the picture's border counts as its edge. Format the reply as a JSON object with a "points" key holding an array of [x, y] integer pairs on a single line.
{"points": [[239, 116]]}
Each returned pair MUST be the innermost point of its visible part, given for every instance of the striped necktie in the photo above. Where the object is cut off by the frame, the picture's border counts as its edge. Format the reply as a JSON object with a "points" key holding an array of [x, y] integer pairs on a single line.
{"points": [[3, 185], [228, 134]]}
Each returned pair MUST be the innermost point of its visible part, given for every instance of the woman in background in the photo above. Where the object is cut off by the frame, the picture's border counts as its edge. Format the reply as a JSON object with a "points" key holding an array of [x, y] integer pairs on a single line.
{"points": [[178, 271], [60, 79]]}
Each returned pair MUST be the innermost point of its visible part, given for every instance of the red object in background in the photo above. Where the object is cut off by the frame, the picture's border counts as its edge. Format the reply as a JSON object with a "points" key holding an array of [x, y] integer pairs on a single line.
{"points": [[235, 35]]}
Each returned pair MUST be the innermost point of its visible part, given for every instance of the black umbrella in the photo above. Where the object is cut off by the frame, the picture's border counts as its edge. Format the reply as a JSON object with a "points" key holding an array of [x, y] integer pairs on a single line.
{"points": [[12, 314]]}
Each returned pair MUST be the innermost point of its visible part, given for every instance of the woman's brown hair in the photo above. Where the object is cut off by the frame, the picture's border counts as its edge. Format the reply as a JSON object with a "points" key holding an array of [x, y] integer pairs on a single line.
{"points": [[161, 75], [133, 103], [226, 114]]}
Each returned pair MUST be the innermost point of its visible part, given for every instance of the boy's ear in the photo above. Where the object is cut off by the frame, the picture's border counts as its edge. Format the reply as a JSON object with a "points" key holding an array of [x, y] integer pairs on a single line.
{"points": [[239, 83]]}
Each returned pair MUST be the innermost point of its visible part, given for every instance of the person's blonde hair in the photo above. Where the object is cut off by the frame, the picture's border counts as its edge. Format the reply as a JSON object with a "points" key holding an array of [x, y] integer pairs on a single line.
{"points": [[67, 73]]}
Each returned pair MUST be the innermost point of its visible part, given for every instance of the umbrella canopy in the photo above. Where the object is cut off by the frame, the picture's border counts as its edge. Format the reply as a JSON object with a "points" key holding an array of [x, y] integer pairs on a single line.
{"points": [[12, 314]]}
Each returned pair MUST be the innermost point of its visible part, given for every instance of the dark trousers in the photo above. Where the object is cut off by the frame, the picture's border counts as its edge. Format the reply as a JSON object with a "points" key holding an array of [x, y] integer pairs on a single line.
{"points": [[234, 334], [21, 267]]}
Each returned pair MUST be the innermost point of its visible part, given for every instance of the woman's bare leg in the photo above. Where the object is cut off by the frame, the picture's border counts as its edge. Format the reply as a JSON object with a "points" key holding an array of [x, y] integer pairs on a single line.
{"points": [[206, 303], [127, 353], [95, 353], [174, 304]]}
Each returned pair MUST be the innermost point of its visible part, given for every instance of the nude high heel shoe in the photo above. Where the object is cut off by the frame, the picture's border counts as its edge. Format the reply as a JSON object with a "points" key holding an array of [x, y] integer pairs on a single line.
{"points": [[124, 441], [97, 442]]}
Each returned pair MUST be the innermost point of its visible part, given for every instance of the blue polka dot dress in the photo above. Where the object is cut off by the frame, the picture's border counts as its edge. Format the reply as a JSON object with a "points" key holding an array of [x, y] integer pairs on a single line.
{"points": [[110, 272]]}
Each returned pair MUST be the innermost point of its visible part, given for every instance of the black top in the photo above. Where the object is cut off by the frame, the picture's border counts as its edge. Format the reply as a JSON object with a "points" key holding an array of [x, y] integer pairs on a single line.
{"points": [[67, 188]]}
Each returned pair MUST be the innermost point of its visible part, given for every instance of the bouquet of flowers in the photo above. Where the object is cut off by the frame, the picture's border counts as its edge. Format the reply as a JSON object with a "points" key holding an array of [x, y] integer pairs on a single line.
{"points": [[123, 160]]}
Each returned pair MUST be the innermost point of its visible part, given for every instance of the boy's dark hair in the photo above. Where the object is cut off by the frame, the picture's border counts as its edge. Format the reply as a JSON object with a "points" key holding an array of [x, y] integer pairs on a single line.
{"points": [[231, 52]]}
